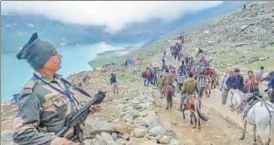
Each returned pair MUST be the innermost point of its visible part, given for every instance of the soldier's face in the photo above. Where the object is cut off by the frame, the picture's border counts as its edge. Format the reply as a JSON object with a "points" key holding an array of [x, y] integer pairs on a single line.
{"points": [[54, 62]]}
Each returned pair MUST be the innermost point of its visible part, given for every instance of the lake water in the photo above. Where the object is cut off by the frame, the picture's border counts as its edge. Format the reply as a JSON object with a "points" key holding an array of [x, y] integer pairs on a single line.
{"points": [[15, 73]]}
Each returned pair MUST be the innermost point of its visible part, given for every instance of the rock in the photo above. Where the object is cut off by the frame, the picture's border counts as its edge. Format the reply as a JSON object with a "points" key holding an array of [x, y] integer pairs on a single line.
{"points": [[8, 103], [243, 27], [155, 121], [121, 141], [98, 136], [100, 142], [6, 138], [158, 137], [125, 136], [157, 130], [142, 122], [140, 132], [206, 32], [165, 139], [88, 142], [107, 137], [174, 142], [122, 127], [128, 118], [138, 141], [122, 114], [262, 58], [253, 59], [143, 114], [114, 135], [96, 126], [173, 122]]}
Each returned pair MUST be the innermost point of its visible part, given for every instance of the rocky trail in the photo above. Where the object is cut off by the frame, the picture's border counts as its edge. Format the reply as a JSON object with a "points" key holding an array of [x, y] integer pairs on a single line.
{"points": [[219, 129], [137, 115]]}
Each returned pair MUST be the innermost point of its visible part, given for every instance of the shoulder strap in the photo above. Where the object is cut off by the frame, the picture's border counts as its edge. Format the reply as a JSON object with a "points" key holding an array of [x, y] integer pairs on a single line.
{"points": [[28, 88]]}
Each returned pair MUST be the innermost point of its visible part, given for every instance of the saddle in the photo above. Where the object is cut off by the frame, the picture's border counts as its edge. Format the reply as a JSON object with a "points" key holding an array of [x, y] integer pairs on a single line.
{"points": [[188, 98], [249, 103]]}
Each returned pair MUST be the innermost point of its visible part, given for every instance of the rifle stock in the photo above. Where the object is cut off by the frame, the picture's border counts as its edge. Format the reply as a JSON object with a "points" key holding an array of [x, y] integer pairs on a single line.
{"points": [[76, 118]]}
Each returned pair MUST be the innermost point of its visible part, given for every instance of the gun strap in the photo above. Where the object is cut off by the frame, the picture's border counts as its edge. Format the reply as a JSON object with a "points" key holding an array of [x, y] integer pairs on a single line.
{"points": [[65, 93], [76, 88]]}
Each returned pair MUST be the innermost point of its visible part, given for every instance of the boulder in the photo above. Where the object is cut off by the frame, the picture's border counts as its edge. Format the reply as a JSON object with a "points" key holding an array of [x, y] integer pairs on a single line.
{"points": [[114, 135], [157, 130], [121, 141], [122, 127], [140, 132], [96, 126], [107, 137], [165, 139], [88, 142], [99, 142], [174, 142], [6, 138], [138, 141]]}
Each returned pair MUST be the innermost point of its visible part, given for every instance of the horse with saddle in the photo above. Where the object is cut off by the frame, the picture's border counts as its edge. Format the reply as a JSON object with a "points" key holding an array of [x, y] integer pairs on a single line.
{"points": [[257, 112]]}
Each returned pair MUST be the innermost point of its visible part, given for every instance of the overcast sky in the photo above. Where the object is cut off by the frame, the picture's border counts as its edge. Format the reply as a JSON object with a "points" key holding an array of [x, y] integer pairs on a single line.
{"points": [[113, 14]]}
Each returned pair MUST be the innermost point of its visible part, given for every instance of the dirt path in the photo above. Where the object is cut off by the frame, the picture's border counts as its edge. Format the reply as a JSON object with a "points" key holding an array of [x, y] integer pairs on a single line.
{"points": [[215, 131], [218, 130]]}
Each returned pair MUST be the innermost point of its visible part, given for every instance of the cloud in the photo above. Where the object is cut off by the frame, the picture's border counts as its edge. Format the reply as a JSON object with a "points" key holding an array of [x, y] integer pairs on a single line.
{"points": [[115, 15]]}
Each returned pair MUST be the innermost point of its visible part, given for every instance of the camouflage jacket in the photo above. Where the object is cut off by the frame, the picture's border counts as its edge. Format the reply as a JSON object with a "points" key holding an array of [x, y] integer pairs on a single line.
{"points": [[42, 111], [190, 86]]}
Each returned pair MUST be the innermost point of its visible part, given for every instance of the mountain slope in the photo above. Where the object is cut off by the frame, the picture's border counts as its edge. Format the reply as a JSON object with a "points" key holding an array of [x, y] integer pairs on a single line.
{"points": [[242, 38], [16, 29]]}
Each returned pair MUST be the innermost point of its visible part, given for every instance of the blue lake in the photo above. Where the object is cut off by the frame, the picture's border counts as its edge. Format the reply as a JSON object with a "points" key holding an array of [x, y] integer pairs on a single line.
{"points": [[15, 73]]}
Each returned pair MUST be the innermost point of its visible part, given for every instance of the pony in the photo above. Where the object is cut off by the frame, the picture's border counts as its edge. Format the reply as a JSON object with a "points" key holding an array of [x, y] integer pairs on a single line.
{"points": [[193, 104], [260, 115]]}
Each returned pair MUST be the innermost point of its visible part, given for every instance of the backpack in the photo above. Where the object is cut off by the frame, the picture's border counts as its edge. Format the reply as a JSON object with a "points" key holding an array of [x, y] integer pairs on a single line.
{"points": [[143, 74], [113, 79], [147, 73]]}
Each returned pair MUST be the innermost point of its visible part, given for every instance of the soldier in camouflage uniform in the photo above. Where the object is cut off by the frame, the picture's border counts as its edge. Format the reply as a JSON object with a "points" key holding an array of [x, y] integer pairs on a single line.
{"points": [[45, 100]]}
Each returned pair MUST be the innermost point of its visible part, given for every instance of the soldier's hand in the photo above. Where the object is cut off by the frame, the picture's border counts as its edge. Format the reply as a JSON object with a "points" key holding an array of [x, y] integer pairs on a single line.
{"points": [[94, 109]]}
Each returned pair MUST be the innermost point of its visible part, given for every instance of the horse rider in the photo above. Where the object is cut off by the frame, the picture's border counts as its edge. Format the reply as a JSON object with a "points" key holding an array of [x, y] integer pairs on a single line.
{"points": [[189, 88], [223, 87], [46, 99]]}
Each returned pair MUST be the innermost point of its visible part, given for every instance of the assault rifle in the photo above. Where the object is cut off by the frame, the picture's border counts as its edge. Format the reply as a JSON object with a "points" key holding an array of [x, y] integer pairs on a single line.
{"points": [[73, 120]]}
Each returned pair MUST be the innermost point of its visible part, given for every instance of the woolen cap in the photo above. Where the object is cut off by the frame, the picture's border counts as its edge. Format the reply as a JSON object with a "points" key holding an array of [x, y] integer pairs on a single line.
{"points": [[36, 52]]}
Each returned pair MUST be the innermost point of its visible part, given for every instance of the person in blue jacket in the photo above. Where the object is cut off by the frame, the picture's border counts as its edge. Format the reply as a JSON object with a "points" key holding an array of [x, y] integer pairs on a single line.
{"points": [[271, 89], [235, 81]]}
